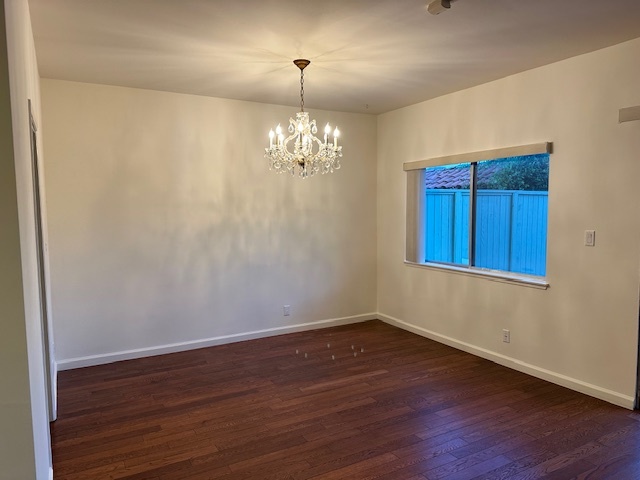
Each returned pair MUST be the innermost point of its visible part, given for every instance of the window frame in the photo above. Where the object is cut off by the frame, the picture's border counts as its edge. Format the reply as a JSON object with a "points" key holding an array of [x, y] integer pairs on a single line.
{"points": [[415, 210]]}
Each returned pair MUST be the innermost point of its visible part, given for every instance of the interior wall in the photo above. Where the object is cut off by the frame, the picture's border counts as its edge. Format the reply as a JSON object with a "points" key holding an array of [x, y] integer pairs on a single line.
{"points": [[167, 228], [24, 435], [583, 330]]}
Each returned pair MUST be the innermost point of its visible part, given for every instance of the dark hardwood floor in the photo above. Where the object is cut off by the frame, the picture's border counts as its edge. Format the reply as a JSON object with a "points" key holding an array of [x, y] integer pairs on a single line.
{"points": [[404, 408]]}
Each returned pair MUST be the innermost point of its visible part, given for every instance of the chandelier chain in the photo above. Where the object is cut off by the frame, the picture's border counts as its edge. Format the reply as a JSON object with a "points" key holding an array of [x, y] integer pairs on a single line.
{"points": [[302, 90]]}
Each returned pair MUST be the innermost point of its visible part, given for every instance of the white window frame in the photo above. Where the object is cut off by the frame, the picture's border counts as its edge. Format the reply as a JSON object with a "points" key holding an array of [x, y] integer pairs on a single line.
{"points": [[415, 208]]}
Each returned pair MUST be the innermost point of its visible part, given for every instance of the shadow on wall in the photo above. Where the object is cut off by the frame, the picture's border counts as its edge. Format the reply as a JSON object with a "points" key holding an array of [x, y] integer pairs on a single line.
{"points": [[194, 241]]}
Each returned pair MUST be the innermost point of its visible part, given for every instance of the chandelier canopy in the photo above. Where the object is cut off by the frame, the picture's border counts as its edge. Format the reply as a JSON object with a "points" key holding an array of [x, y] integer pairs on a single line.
{"points": [[310, 155]]}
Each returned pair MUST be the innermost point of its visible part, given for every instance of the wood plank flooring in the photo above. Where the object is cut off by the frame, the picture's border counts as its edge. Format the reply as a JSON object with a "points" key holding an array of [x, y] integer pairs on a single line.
{"points": [[396, 406]]}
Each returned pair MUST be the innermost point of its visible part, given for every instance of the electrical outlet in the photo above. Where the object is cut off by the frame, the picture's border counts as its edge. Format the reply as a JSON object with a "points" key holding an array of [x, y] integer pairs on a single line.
{"points": [[590, 238], [506, 336], [286, 310]]}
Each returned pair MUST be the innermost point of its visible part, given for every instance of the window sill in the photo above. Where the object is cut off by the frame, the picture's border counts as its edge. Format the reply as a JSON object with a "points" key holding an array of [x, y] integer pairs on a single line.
{"points": [[503, 277]]}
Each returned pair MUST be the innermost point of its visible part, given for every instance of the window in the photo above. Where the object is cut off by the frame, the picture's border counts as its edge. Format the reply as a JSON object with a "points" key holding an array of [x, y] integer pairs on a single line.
{"points": [[488, 213]]}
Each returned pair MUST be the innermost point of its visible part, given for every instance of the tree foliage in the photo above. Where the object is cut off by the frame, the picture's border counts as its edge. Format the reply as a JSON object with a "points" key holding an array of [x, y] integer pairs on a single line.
{"points": [[530, 172]]}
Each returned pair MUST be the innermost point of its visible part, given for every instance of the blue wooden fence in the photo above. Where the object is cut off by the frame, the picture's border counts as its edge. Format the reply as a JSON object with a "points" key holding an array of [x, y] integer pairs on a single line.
{"points": [[511, 229]]}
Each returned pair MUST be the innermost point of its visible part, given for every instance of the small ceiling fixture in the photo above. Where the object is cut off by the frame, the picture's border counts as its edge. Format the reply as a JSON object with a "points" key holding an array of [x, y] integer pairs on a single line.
{"points": [[438, 6], [310, 155]]}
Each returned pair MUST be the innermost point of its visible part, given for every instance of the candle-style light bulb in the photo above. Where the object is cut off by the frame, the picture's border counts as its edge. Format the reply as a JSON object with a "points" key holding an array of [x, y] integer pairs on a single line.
{"points": [[336, 134], [278, 130], [271, 135], [327, 131]]}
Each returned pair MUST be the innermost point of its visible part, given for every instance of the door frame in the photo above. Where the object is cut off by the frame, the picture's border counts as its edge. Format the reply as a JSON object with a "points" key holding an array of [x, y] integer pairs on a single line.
{"points": [[50, 372]]}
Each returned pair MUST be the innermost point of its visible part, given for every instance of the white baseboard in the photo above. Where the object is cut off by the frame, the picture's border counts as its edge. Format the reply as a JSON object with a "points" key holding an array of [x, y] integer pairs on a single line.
{"points": [[553, 377], [92, 360]]}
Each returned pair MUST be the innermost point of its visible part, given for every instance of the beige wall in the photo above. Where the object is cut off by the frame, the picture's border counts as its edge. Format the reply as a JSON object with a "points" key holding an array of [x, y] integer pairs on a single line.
{"points": [[167, 229], [583, 330], [24, 435]]}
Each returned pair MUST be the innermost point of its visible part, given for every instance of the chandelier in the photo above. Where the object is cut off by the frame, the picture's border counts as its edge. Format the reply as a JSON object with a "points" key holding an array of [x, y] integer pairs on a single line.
{"points": [[310, 155]]}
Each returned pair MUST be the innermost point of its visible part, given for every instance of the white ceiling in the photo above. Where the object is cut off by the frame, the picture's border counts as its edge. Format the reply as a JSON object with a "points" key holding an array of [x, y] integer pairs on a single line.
{"points": [[367, 56]]}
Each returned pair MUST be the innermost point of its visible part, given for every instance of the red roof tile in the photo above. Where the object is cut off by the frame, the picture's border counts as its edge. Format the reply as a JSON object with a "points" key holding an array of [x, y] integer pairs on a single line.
{"points": [[458, 176]]}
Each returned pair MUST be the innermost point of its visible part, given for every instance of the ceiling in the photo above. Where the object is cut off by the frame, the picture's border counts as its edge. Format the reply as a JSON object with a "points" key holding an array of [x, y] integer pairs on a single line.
{"points": [[368, 56]]}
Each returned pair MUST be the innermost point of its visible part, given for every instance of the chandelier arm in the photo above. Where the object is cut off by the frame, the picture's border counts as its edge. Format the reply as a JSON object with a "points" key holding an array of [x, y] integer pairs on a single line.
{"points": [[288, 139], [317, 140]]}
